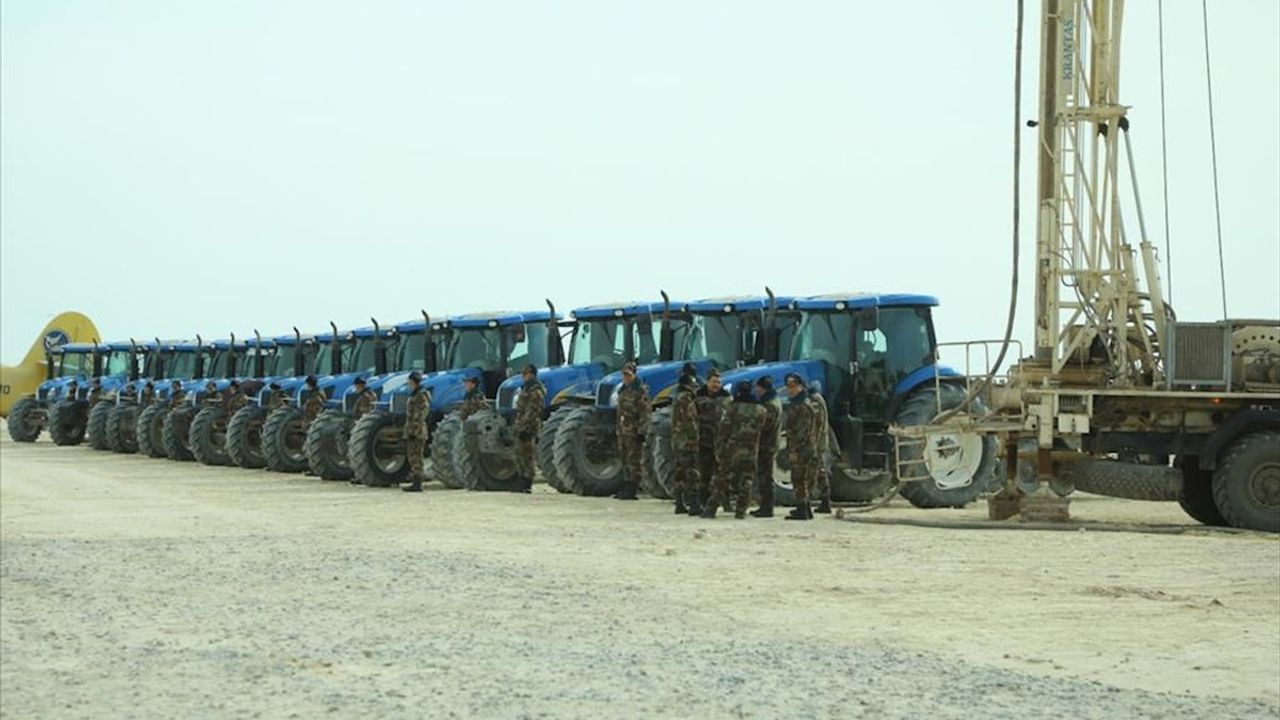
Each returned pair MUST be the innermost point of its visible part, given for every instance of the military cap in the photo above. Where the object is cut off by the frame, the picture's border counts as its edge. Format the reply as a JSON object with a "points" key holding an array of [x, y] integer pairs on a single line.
{"points": [[531, 369], [629, 368], [742, 391], [765, 382], [415, 377], [688, 381], [794, 378]]}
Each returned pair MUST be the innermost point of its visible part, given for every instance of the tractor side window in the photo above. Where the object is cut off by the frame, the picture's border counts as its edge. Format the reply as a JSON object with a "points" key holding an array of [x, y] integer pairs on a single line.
{"points": [[282, 363], [599, 341], [645, 336], [528, 345], [412, 354], [324, 359], [182, 366], [215, 366], [361, 357], [827, 337], [898, 346]]}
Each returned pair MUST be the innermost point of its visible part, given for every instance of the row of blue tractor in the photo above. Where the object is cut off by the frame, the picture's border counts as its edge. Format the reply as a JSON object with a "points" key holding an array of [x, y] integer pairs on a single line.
{"points": [[872, 356]]}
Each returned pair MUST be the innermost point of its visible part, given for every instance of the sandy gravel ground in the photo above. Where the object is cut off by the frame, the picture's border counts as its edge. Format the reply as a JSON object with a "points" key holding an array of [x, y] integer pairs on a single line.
{"points": [[144, 588]]}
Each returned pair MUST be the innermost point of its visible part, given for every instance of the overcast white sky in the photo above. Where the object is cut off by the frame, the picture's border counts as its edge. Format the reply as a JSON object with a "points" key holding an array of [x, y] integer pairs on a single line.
{"points": [[170, 168]]}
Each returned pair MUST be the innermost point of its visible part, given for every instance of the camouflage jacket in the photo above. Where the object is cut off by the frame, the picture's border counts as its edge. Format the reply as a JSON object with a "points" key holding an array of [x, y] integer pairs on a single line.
{"points": [[739, 438], [415, 419], [771, 425], [799, 426], [684, 421], [147, 395], [472, 403], [95, 394], [314, 404], [634, 407], [533, 395], [232, 401], [710, 412], [364, 403], [177, 398], [820, 421]]}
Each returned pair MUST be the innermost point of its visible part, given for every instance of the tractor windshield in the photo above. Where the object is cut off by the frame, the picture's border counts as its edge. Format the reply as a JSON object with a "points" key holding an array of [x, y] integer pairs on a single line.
{"points": [[526, 344], [117, 362], [411, 355], [280, 363], [900, 343], [361, 359], [72, 364], [599, 341], [479, 348], [181, 366], [215, 364], [720, 339]]}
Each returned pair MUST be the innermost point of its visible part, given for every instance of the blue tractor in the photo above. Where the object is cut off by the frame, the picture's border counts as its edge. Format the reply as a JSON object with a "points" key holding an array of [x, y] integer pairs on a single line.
{"points": [[874, 357], [183, 362], [61, 401], [358, 353], [487, 346], [721, 333], [601, 338], [412, 345], [216, 362], [114, 384], [252, 367], [295, 356]]}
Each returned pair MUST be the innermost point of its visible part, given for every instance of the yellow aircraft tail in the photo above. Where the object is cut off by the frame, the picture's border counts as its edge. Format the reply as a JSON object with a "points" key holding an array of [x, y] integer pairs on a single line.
{"points": [[18, 381]]}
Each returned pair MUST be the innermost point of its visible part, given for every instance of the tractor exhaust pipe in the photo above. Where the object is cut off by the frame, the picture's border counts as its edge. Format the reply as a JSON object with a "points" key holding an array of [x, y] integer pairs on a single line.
{"points": [[772, 333], [555, 349], [666, 334], [134, 371], [231, 358], [428, 345], [299, 355], [259, 360], [159, 369], [97, 359], [199, 374], [335, 350], [379, 349]]}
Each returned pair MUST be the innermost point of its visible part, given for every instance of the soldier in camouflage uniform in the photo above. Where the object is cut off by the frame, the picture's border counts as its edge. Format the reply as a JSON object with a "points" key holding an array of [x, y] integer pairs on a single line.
{"points": [[473, 401], [634, 407], [148, 394], [737, 452], [415, 431], [769, 428], [234, 398], [533, 396], [684, 442], [365, 399], [95, 392], [711, 400], [177, 396], [800, 451], [822, 481], [73, 389], [314, 404]]}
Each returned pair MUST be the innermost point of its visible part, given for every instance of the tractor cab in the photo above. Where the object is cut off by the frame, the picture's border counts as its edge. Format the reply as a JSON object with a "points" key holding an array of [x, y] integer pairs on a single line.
{"points": [[418, 344], [732, 332]]}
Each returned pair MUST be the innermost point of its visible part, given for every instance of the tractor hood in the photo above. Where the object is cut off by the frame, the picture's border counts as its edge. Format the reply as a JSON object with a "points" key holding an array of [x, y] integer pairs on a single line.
{"points": [[446, 389], [562, 383], [810, 370], [660, 377]]}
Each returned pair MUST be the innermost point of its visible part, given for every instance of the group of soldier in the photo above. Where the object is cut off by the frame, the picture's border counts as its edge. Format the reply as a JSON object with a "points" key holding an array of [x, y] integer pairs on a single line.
{"points": [[724, 442]]}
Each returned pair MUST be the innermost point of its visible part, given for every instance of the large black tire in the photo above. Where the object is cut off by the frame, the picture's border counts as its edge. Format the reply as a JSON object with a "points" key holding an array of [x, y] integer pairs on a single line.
{"points": [[589, 466], [284, 437], [207, 437], [478, 470], [122, 428], [846, 486], [150, 432], [244, 437], [96, 428], [660, 471], [68, 422], [1246, 485], [376, 451], [25, 420], [545, 452], [1131, 481], [1196, 494], [326, 446], [174, 432], [919, 408], [441, 451]]}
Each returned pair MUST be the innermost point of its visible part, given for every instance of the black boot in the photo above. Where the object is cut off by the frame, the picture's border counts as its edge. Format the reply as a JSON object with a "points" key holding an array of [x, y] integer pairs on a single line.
{"points": [[415, 486], [709, 510], [627, 492], [528, 485], [824, 507], [765, 510], [800, 512], [695, 503], [522, 485], [354, 481], [681, 508]]}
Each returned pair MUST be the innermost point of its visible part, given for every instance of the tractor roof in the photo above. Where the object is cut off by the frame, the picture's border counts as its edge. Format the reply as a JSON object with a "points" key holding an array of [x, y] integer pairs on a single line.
{"points": [[367, 331], [129, 345], [498, 318], [225, 344], [73, 348], [622, 309], [736, 303], [853, 300], [289, 340]]}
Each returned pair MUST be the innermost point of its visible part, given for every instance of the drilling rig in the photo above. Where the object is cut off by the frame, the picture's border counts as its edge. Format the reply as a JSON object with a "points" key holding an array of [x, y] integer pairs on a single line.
{"points": [[1118, 392]]}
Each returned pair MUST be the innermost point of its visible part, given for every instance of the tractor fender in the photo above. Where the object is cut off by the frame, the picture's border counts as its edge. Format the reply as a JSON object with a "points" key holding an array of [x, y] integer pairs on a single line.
{"points": [[922, 376]]}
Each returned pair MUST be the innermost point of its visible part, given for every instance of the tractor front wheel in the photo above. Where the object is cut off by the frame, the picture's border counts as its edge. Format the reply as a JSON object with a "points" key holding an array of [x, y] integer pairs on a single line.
{"points": [[174, 432], [283, 438], [96, 428], [959, 464], [587, 457], [122, 428], [208, 436], [441, 451], [376, 451], [546, 449], [68, 422], [151, 430], [326, 446], [244, 437], [25, 420]]}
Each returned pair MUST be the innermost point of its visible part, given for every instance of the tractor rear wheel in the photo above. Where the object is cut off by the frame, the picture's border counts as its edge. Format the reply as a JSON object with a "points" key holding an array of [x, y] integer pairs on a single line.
{"points": [[283, 437], [479, 470], [151, 430], [326, 446], [1246, 485], [208, 436], [660, 473], [68, 422], [244, 437], [25, 420], [96, 428], [959, 464], [587, 458], [174, 432], [122, 428], [441, 451], [1196, 495], [376, 451], [545, 453]]}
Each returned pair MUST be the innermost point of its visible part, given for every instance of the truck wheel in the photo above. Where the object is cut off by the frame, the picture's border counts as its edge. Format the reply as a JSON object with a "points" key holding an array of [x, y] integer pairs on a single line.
{"points": [[96, 427], [208, 436], [283, 436], [477, 469], [326, 446], [122, 428], [660, 474], [376, 451], [67, 422], [151, 430], [587, 458], [441, 451], [545, 451], [959, 464], [244, 437], [25, 421], [1246, 485], [174, 432], [1196, 494]]}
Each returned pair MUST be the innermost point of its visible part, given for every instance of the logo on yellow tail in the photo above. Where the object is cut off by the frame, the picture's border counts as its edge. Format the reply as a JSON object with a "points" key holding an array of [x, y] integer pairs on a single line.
{"points": [[21, 380]]}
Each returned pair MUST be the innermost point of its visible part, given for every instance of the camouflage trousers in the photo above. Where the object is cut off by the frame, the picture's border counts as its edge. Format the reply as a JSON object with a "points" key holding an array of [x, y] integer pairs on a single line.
{"points": [[525, 467], [415, 449], [630, 452], [706, 470], [733, 481], [684, 480], [764, 475], [819, 481], [801, 478]]}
